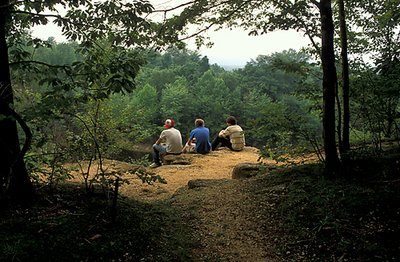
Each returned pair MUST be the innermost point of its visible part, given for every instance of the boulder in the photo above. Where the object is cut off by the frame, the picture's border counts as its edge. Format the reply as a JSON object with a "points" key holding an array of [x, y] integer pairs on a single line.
{"points": [[198, 183], [245, 170], [177, 160]]}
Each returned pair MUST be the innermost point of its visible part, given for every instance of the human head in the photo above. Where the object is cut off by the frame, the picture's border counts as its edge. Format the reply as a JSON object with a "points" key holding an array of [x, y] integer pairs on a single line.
{"points": [[231, 120], [199, 122], [169, 123]]}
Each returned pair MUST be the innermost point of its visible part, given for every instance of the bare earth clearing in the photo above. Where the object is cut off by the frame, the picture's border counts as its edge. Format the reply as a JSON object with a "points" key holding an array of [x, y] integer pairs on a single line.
{"points": [[216, 165], [220, 210]]}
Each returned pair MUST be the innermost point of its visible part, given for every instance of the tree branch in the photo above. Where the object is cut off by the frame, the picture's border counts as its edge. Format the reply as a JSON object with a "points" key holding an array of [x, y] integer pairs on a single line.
{"points": [[214, 23], [38, 62], [316, 3], [28, 135], [173, 8], [39, 15]]}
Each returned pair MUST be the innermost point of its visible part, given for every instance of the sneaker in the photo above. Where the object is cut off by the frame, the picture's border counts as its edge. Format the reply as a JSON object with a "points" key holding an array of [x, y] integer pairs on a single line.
{"points": [[154, 165]]}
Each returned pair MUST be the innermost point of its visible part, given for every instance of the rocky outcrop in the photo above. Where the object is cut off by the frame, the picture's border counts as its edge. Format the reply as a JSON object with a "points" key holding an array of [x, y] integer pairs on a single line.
{"points": [[177, 160], [245, 170], [199, 183]]}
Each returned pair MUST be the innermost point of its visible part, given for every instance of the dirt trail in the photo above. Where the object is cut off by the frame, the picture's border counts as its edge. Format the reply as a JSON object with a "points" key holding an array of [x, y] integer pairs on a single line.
{"points": [[222, 213]]}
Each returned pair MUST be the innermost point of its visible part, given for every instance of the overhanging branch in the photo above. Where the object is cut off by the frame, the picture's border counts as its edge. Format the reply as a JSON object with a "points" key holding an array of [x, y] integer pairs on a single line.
{"points": [[39, 15], [40, 63], [220, 20]]}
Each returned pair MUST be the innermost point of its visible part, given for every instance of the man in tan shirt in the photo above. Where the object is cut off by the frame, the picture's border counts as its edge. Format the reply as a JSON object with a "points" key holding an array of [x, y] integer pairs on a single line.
{"points": [[231, 137]]}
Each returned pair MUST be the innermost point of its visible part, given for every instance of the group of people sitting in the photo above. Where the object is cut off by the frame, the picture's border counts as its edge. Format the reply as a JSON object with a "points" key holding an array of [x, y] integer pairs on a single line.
{"points": [[170, 140]]}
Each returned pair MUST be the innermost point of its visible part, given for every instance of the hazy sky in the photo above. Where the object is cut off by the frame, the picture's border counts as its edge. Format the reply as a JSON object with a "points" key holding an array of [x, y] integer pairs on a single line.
{"points": [[231, 47], [235, 47]]}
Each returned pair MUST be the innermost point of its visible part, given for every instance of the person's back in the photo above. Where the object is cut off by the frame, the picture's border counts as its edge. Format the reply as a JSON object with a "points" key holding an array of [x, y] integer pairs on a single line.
{"points": [[202, 136], [231, 137], [169, 142], [173, 140], [236, 136]]}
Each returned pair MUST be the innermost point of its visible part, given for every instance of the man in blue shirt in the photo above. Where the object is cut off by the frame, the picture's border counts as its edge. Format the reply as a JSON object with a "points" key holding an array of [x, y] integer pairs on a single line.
{"points": [[200, 136]]}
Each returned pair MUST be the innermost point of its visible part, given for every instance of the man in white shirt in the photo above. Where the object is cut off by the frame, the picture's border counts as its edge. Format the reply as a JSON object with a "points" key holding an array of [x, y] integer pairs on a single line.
{"points": [[231, 137], [169, 142]]}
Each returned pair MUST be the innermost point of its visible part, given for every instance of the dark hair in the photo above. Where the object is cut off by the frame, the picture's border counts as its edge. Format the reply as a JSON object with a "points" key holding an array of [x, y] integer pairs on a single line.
{"points": [[199, 122], [231, 120]]}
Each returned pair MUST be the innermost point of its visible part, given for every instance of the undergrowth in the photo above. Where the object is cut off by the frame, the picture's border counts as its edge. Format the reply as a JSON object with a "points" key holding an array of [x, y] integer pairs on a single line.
{"points": [[351, 218], [71, 226]]}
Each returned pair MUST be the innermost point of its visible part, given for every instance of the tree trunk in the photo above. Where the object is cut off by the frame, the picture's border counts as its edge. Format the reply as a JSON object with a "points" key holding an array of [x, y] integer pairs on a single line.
{"points": [[329, 83], [14, 178], [345, 146]]}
